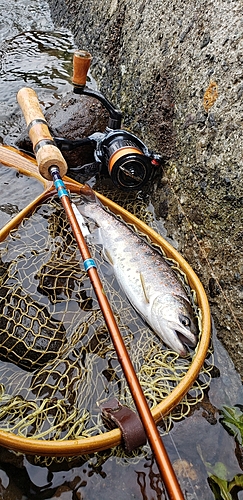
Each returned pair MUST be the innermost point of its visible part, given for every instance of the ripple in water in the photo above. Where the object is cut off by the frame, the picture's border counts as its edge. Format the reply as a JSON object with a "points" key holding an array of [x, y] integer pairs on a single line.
{"points": [[17, 16], [34, 54]]}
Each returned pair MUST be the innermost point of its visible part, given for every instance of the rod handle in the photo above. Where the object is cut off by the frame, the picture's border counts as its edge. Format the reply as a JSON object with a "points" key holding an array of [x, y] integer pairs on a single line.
{"points": [[81, 64], [46, 152]]}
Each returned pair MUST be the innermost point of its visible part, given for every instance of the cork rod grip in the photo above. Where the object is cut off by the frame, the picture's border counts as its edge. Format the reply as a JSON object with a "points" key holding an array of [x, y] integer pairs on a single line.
{"points": [[81, 64], [46, 152]]}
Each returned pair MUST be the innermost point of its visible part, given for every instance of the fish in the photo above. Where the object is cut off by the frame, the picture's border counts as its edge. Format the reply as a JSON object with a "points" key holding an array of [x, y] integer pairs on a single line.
{"points": [[149, 282]]}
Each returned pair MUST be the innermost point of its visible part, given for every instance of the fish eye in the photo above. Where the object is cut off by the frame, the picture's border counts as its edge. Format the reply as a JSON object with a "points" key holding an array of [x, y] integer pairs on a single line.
{"points": [[185, 320]]}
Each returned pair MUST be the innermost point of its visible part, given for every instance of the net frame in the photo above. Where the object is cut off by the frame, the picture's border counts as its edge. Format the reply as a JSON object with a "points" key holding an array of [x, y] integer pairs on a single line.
{"points": [[13, 158]]}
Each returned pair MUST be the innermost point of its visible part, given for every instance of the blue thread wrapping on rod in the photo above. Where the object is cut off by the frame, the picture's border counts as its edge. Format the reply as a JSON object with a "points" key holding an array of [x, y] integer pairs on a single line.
{"points": [[61, 191], [59, 183], [60, 187], [88, 263]]}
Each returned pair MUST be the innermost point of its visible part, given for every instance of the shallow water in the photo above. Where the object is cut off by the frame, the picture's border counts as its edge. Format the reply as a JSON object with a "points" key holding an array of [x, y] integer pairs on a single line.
{"points": [[34, 53]]}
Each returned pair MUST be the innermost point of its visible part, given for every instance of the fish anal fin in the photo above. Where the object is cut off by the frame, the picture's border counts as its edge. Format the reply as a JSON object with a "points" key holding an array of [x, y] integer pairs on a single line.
{"points": [[144, 287]]}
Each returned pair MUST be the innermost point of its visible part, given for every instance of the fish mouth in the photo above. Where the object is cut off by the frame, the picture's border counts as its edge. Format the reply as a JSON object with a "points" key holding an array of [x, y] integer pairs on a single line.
{"points": [[190, 341], [186, 339], [182, 338], [178, 337]]}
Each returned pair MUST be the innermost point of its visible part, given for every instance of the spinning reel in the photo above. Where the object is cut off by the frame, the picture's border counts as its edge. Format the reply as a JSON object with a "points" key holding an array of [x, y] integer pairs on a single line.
{"points": [[117, 152]]}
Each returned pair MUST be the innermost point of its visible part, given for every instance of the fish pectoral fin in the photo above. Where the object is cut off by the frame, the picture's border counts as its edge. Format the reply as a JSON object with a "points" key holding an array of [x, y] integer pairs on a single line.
{"points": [[108, 256], [95, 237], [144, 287]]}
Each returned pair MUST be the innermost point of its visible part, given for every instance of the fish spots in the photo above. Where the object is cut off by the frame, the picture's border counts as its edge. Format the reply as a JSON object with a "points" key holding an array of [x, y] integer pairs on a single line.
{"points": [[148, 281]]}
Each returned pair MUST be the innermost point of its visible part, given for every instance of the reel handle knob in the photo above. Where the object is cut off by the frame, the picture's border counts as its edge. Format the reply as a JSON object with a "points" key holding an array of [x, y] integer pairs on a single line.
{"points": [[81, 64], [46, 152]]}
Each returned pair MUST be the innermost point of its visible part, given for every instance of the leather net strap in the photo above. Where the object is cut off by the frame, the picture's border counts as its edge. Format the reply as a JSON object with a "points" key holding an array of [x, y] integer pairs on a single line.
{"points": [[127, 420]]}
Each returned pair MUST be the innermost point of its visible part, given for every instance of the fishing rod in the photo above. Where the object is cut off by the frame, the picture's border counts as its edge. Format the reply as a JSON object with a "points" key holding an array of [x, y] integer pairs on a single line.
{"points": [[52, 166]]}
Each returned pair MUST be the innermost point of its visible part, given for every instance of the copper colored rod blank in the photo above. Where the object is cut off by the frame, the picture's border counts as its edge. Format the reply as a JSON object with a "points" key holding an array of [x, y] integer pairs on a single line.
{"points": [[162, 459]]}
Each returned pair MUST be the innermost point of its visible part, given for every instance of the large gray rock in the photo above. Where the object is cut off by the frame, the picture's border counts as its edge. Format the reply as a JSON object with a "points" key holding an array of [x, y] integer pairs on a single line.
{"points": [[73, 117], [175, 69]]}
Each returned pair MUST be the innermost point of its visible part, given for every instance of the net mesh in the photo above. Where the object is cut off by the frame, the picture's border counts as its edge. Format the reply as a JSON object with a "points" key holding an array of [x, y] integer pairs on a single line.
{"points": [[57, 360]]}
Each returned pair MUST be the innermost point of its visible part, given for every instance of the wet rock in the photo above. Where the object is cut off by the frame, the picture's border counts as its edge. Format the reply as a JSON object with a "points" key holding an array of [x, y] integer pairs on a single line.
{"points": [[11, 458], [8, 490], [63, 492], [73, 117], [206, 40], [163, 209], [77, 117], [79, 494], [213, 287], [239, 454], [174, 70], [184, 469]]}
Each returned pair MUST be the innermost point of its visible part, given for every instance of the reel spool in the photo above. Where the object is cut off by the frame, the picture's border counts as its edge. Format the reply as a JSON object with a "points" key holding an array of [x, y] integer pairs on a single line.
{"points": [[126, 158]]}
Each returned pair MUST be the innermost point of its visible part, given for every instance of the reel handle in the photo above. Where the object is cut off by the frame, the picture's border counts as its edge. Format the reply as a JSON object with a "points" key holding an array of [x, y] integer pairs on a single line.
{"points": [[46, 152], [81, 64]]}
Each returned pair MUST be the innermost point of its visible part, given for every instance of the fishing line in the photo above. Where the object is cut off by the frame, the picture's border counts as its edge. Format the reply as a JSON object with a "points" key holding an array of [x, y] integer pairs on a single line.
{"points": [[181, 460]]}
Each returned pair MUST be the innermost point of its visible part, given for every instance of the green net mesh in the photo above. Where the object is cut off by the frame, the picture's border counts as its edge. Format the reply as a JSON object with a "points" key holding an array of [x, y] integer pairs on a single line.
{"points": [[57, 360]]}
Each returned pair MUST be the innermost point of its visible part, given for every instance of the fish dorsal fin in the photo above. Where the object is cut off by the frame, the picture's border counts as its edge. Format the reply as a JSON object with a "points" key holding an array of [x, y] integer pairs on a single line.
{"points": [[144, 287], [88, 194]]}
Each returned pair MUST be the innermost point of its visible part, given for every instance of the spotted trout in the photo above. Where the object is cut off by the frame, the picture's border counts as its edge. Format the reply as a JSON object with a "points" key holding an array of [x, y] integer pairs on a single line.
{"points": [[149, 282]]}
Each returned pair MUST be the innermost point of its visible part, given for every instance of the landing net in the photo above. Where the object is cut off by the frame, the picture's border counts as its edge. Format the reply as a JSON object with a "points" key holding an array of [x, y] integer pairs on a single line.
{"points": [[57, 360]]}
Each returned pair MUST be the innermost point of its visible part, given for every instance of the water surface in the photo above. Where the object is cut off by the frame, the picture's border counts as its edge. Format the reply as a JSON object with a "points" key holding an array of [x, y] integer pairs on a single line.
{"points": [[37, 54]]}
